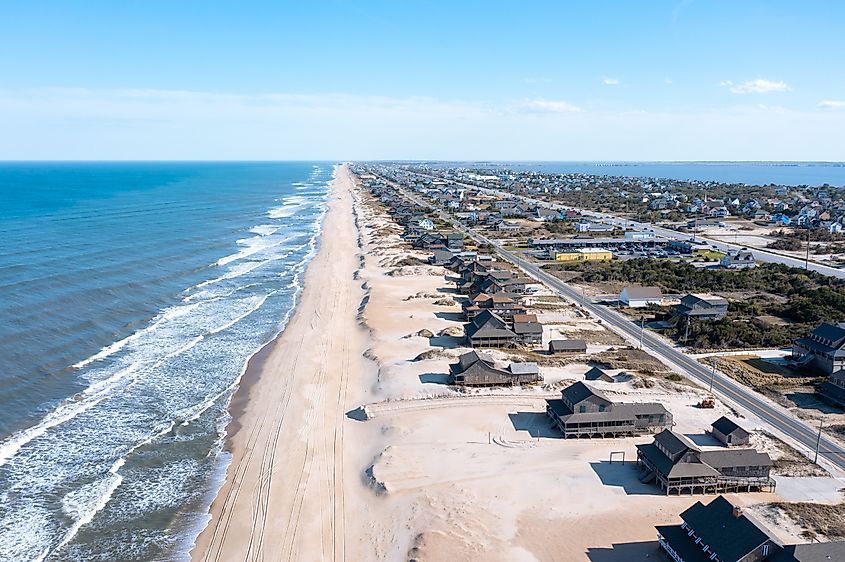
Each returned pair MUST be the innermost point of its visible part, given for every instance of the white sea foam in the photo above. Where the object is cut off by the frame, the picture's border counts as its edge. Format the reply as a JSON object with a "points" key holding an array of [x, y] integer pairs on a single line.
{"points": [[254, 245], [264, 229], [67, 411], [111, 349], [84, 503]]}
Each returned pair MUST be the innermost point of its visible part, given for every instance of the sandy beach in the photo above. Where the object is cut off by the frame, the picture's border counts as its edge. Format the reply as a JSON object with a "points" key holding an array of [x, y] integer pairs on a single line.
{"points": [[288, 484]]}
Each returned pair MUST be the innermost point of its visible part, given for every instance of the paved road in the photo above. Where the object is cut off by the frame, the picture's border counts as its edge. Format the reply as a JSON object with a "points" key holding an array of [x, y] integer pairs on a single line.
{"points": [[723, 386]]}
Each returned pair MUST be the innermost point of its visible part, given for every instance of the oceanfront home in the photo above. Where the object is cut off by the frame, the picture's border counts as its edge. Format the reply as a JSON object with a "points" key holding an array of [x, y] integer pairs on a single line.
{"points": [[677, 465], [583, 411], [639, 297], [823, 348], [487, 329], [699, 306], [477, 369], [722, 532]]}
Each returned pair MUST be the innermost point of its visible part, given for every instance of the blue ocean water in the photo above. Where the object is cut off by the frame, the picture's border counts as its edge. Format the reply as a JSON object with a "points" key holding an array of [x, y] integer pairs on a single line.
{"points": [[131, 296], [752, 173]]}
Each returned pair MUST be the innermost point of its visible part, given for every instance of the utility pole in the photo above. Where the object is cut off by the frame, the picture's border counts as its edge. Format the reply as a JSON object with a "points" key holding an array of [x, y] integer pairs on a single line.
{"points": [[818, 442], [807, 255], [712, 376], [694, 228], [686, 333], [642, 329]]}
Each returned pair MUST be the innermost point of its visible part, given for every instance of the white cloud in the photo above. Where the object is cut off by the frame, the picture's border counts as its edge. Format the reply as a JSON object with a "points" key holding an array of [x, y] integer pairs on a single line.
{"points": [[549, 106], [610, 81], [758, 86], [184, 125], [668, 81], [831, 104]]}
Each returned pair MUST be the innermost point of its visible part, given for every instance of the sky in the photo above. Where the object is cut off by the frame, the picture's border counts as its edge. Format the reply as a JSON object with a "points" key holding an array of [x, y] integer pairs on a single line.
{"points": [[410, 79]]}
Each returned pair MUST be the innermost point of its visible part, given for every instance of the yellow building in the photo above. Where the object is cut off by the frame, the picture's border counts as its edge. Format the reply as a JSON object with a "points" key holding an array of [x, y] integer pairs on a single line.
{"points": [[585, 254]]}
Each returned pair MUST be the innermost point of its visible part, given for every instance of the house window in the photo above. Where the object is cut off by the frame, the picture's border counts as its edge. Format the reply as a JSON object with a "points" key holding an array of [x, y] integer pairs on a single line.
{"points": [[582, 409], [601, 407], [765, 550]]}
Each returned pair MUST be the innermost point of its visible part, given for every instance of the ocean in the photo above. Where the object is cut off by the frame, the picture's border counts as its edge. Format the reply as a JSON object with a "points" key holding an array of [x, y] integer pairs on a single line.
{"points": [[133, 295]]}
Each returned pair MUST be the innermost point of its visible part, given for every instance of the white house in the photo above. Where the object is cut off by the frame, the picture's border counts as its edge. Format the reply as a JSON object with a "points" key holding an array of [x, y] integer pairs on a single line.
{"points": [[639, 297], [739, 259]]}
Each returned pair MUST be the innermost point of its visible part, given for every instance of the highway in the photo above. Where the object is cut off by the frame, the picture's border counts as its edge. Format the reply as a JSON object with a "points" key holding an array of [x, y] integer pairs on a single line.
{"points": [[723, 386]]}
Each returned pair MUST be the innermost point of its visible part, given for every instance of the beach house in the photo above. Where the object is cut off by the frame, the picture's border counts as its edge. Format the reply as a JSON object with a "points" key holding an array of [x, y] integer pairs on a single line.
{"points": [[679, 466], [700, 306], [478, 369], [583, 411], [488, 329]]}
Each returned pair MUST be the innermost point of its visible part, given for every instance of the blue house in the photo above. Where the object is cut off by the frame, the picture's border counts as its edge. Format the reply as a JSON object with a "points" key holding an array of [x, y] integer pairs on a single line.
{"points": [[780, 219]]}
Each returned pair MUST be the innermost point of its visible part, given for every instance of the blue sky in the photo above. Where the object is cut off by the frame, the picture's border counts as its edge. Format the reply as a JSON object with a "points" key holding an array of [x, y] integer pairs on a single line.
{"points": [[664, 80]]}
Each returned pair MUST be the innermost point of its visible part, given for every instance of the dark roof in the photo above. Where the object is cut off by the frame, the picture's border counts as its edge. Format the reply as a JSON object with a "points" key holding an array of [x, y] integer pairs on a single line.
{"points": [[729, 536], [527, 328], [468, 359], [487, 325], [726, 426], [725, 458], [578, 392], [681, 543], [596, 374], [672, 442], [831, 332], [568, 345], [488, 316], [558, 407]]}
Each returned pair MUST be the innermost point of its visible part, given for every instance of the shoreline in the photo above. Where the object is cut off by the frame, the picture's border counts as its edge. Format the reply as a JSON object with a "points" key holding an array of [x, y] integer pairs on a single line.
{"points": [[285, 434]]}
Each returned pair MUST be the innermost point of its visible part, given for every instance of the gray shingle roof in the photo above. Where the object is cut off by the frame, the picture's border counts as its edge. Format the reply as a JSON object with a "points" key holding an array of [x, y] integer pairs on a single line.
{"points": [[524, 368], [568, 345]]}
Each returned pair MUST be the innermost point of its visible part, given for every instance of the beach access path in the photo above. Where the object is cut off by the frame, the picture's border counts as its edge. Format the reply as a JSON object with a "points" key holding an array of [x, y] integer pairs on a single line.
{"points": [[291, 478]]}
